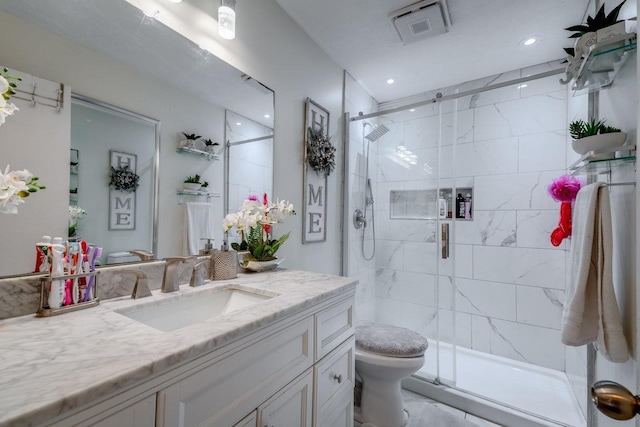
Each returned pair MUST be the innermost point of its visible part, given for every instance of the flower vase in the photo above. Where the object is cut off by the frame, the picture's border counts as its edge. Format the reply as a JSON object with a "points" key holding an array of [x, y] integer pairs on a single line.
{"points": [[73, 224], [210, 149], [260, 266]]}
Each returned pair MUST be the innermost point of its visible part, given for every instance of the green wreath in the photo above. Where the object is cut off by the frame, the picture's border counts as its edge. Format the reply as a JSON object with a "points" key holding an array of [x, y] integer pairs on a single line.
{"points": [[321, 154], [124, 179]]}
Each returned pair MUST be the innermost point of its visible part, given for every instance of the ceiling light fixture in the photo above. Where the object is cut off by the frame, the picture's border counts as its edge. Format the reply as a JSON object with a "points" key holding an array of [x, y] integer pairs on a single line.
{"points": [[227, 19], [238, 124], [529, 41], [266, 116], [175, 1], [412, 110], [390, 81]]}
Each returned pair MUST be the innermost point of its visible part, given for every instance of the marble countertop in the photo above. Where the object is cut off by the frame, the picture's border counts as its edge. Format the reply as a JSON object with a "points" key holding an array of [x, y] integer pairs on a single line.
{"points": [[49, 366]]}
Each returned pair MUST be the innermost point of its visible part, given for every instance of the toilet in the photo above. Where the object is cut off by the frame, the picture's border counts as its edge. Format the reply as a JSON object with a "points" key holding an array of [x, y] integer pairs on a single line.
{"points": [[385, 355]]}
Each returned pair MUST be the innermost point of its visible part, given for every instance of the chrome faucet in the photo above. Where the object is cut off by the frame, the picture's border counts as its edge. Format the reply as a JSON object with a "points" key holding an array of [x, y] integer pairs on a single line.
{"points": [[197, 276], [141, 287], [170, 278]]}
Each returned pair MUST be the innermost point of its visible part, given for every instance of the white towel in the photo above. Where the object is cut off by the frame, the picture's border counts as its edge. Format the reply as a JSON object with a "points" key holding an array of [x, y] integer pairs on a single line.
{"points": [[591, 311], [199, 225]]}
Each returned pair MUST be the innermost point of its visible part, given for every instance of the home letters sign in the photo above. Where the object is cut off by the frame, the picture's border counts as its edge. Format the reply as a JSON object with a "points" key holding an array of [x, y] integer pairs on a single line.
{"points": [[314, 220], [122, 204]]}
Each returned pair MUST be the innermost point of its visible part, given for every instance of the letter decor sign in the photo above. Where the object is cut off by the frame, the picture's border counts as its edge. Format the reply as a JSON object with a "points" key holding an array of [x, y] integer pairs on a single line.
{"points": [[122, 204], [314, 207]]}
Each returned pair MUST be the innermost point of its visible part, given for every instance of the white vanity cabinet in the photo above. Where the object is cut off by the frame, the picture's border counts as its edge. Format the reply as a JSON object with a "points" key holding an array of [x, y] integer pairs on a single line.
{"points": [[300, 375]]}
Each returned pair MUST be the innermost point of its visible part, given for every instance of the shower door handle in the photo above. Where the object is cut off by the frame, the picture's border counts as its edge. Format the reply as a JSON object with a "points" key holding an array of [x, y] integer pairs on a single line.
{"points": [[615, 400], [445, 240]]}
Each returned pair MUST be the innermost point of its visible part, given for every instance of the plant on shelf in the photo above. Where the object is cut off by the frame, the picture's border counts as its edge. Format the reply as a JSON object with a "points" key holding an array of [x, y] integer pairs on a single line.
{"points": [[598, 22], [579, 129], [209, 145], [190, 139], [594, 136], [205, 184], [75, 213], [255, 223], [192, 183]]}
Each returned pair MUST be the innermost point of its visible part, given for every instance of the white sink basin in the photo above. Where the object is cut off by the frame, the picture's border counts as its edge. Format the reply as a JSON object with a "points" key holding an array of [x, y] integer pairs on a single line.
{"points": [[186, 310]]}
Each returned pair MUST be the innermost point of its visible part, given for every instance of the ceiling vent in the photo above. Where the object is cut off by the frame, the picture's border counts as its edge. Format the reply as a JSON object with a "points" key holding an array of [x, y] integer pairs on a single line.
{"points": [[422, 20]]}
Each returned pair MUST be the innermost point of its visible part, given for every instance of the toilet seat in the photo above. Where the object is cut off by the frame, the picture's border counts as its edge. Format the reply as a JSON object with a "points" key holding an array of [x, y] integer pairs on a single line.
{"points": [[389, 341]]}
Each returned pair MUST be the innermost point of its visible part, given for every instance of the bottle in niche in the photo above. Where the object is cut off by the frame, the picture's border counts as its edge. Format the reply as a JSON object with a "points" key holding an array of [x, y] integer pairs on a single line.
{"points": [[467, 206], [459, 206], [442, 206]]}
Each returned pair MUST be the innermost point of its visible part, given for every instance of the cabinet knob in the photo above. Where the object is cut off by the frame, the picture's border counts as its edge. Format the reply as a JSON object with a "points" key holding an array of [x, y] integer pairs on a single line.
{"points": [[338, 378]]}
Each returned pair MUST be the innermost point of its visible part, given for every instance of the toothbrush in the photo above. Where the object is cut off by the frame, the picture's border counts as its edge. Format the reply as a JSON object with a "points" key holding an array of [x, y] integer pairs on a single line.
{"points": [[75, 292], [95, 253]]}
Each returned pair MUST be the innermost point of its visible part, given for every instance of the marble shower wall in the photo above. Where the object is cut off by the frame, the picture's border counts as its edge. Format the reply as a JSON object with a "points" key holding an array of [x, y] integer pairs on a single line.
{"points": [[510, 281]]}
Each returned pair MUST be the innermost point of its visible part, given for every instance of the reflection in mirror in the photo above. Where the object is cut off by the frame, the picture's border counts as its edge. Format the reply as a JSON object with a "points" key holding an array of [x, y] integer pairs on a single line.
{"points": [[116, 220], [249, 161], [109, 50]]}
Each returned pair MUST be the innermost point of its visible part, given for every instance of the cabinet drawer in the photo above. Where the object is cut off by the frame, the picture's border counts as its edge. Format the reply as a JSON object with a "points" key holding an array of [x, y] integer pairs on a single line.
{"points": [[291, 407], [225, 391], [333, 377], [250, 420], [340, 415], [333, 326]]}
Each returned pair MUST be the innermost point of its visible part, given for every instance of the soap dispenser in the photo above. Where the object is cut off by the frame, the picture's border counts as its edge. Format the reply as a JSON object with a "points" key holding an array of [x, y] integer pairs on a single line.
{"points": [[208, 247], [224, 264]]}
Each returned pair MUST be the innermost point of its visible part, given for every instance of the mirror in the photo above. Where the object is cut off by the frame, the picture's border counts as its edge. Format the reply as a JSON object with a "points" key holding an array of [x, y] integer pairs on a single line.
{"points": [[110, 51]]}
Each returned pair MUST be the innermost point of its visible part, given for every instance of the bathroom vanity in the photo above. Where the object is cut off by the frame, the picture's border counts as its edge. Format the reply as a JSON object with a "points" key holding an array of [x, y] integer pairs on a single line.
{"points": [[284, 358]]}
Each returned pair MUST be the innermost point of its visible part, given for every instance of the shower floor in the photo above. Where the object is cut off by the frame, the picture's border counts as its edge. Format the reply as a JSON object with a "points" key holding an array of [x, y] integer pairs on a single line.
{"points": [[533, 389]]}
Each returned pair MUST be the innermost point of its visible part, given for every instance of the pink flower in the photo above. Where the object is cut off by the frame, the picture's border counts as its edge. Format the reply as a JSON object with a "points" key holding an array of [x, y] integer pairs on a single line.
{"points": [[564, 188], [253, 198]]}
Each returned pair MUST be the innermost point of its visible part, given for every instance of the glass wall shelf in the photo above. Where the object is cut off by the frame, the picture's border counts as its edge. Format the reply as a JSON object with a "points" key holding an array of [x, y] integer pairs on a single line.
{"points": [[198, 153], [182, 193], [604, 61], [601, 163]]}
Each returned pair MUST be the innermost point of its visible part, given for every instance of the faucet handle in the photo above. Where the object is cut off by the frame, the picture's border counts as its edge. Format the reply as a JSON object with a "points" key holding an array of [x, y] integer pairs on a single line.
{"points": [[197, 277], [142, 254], [141, 287]]}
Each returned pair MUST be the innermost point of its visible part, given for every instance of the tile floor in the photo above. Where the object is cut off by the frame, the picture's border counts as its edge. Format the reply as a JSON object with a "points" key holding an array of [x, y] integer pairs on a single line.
{"points": [[413, 402]]}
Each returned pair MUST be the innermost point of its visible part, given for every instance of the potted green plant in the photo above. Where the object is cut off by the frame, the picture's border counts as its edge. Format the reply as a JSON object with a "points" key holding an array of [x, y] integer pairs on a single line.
{"points": [[595, 136], [209, 146], [205, 185], [597, 29], [192, 183], [189, 139]]}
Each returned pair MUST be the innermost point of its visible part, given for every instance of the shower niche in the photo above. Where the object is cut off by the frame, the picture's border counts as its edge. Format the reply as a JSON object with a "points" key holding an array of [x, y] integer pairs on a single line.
{"points": [[429, 204]]}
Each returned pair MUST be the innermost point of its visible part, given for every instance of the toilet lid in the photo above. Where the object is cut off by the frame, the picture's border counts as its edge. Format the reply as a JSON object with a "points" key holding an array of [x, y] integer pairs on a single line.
{"points": [[388, 340]]}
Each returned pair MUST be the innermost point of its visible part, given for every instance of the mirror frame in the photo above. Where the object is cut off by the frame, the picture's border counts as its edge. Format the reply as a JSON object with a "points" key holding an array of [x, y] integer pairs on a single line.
{"points": [[156, 161]]}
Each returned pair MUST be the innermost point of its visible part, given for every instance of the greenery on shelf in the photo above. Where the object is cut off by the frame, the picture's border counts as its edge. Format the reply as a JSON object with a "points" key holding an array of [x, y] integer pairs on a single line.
{"points": [[598, 22], [191, 136], [193, 179], [209, 142], [579, 129]]}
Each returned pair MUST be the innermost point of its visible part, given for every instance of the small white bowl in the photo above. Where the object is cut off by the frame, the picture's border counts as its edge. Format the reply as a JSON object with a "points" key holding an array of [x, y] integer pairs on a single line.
{"points": [[191, 186], [598, 142]]}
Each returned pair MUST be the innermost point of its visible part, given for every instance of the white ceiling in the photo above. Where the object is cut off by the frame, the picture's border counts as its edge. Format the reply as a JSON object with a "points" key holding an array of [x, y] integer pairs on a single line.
{"points": [[484, 40], [121, 31]]}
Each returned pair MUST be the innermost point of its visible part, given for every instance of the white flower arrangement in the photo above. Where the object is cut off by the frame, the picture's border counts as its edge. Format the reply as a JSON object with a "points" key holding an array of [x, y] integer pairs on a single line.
{"points": [[76, 212], [7, 89], [254, 222], [14, 187]]}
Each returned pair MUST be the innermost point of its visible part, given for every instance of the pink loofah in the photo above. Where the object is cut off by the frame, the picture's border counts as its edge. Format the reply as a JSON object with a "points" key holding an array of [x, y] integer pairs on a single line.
{"points": [[565, 188]]}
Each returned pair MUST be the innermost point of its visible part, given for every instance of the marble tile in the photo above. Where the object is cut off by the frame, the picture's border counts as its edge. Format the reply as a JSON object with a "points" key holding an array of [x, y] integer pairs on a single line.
{"points": [[540, 306], [492, 228], [514, 191], [490, 299], [462, 256], [419, 318], [535, 227], [494, 96], [389, 311], [533, 267], [492, 157], [406, 286], [542, 152], [462, 329], [420, 257], [405, 230], [536, 114], [390, 254], [526, 343], [576, 369], [464, 127], [365, 295], [422, 132], [541, 86]]}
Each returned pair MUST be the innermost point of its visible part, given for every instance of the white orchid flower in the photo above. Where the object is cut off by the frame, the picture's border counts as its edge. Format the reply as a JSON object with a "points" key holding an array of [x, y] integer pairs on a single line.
{"points": [[4, 85]]}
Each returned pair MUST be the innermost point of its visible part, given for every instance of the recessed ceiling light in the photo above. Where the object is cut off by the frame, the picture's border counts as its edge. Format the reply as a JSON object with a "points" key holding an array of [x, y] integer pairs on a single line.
{"points": [[266, 116], [238, 124], [175, 1], [390, 81], [412, 110], [531, 40], [522, 86]]}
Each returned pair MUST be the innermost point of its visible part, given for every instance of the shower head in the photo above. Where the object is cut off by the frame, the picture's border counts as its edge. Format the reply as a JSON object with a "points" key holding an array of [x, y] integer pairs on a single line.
{"points": [[377, 132]]}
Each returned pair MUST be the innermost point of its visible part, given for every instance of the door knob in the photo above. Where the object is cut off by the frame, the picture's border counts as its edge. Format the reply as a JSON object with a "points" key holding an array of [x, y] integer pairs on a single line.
{"points": [[615, 400]]}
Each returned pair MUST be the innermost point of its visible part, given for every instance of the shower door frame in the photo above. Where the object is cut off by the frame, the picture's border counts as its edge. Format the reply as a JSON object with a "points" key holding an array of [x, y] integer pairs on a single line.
{"points": [[450, 394]]}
